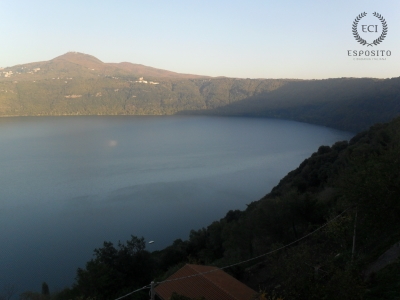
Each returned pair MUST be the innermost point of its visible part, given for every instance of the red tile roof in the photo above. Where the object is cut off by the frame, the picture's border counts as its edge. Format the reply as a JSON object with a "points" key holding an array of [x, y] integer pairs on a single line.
{"points": [[204, 281]]}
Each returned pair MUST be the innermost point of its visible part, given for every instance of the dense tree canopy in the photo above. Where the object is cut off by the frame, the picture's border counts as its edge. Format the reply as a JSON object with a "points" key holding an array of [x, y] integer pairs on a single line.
{"points": [[116, 270]]}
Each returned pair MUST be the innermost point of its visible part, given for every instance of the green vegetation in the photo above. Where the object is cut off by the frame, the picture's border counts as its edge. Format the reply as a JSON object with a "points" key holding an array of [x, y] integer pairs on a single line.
{"points": [[79, 84], [116, 270], [345, 103]]}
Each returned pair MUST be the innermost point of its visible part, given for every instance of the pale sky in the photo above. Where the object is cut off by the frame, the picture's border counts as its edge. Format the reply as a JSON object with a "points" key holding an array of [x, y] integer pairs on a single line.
{"points": [[245, 39]]}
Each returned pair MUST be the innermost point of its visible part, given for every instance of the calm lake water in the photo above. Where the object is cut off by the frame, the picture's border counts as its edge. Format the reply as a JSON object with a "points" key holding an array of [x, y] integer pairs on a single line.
{"points": [[69, 183]]}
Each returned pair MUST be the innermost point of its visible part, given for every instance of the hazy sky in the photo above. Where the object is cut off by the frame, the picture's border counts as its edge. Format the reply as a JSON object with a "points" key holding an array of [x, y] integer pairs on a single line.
{"points": [[254, 39]]}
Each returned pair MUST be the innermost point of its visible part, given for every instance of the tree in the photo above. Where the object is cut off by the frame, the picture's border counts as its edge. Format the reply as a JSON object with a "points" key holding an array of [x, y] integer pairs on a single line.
{"points": [[116, 270], [45, 289]]}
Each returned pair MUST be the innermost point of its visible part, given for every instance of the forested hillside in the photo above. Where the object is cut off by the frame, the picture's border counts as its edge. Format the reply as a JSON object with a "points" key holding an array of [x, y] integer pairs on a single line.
{"points": [[358, 181], [351, 104], [80, 84], [319, 234]]}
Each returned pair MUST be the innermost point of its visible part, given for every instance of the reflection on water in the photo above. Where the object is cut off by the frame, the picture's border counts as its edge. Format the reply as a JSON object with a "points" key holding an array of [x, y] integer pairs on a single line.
{"points": [[70, 183]]}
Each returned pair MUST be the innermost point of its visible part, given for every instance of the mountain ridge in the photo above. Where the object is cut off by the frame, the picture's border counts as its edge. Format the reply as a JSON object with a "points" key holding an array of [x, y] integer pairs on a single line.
{"points": [[90, 61], [47, 89]]}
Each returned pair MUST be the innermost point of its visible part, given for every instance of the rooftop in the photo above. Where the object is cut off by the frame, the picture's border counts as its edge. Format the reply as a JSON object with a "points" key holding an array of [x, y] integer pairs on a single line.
{"points": [[204, 281]]}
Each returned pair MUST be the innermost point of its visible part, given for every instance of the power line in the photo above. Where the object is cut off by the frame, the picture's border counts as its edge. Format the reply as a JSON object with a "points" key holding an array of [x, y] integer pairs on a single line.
{"points": [[145, 287], [262, 255], [245, 261]]}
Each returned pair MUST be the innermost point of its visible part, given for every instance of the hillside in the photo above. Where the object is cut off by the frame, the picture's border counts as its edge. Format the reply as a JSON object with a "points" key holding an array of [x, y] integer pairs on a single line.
{"points": [[351, 104], [355, 256], [360, 178], [80, 84]]}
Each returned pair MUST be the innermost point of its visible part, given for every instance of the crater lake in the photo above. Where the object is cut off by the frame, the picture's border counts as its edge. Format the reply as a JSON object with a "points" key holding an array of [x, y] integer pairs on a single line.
{"points": [[70, 183]]}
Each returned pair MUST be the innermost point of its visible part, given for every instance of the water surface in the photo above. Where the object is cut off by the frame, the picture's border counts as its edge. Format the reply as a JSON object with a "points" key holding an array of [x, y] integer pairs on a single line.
{"points": [[70, 183]]}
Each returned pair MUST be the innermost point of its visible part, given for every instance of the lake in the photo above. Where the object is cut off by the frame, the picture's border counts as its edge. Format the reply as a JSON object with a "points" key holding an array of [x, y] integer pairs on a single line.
{"points": [[70, 183]]}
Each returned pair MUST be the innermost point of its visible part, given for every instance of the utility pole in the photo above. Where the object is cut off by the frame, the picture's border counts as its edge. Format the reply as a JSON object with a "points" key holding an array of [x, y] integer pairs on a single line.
{"points": [[152, 293], [354, 237]]}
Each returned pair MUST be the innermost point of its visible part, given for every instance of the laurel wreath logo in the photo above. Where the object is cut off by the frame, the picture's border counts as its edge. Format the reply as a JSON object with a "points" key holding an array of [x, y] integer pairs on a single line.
{"points": [[379, 39]]}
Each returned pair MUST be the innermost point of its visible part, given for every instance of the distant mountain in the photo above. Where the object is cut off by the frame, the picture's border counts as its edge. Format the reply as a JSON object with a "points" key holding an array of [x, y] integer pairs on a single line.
{"points": [[81, 59], [94, 64], [89, 66], [80, 84], [352, 104]]}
